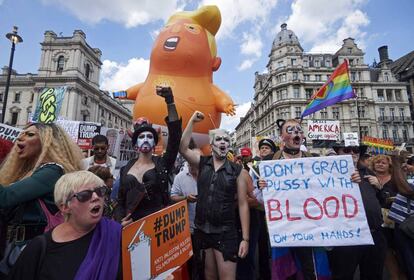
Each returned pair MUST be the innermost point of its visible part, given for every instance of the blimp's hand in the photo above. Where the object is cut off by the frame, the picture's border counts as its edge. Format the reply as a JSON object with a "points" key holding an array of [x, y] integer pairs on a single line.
{"points": [[230, 109], [166, 93]]}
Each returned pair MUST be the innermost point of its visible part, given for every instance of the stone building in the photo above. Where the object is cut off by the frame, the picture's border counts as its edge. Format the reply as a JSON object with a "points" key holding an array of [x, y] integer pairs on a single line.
{"points": [[294, 75], [70, 62]]}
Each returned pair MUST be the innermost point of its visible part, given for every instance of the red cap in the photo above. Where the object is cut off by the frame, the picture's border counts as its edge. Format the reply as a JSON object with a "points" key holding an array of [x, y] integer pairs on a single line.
{"points": [[245, 151]]}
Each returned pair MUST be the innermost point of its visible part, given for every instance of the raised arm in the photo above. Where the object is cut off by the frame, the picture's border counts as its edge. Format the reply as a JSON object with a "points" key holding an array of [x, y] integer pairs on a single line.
{"points": [[192, 157]]}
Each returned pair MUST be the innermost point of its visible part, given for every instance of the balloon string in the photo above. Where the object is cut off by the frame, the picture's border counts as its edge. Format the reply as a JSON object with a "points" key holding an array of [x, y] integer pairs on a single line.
{"points": [[211, 119]]}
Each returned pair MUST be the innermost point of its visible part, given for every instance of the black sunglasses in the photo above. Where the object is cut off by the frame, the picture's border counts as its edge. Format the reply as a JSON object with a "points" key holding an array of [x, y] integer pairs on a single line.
{"points": [[86, 195], [348, 150]]}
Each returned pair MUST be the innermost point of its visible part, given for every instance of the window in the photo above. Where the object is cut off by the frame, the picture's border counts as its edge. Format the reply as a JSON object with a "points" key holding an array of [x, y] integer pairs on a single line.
{"points": [[306, 77], [109, 116], [401, 113], [362, 111], [382, 113], [15, 117], [324, 114], [317, 63], [60, 63], [386, 77], [284, 78], [32, 97], [395, 132], [392, 113], [328, 63], [405, 133], [380, 94], [398, 95], [364, 131], [353, 76], [349, 50], [335, 113], [389, 95], [384, 132], [17, 97], [102, 112], [298, 112], [280, 63], [308, 93], [85, 117], [318, 78], [295, 75], [351, 62], [85, 100], [293, 61], [306, 63], [296, 93], [87, 71], [1, 97]]}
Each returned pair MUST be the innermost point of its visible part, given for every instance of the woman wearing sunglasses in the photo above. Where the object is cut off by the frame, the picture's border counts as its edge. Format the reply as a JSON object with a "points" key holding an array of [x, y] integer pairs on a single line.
{"points": [[85, 246], [144, 179], [41, 154]]}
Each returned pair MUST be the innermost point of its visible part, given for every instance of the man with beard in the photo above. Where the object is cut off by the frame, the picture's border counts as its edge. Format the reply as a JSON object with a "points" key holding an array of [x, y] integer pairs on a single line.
{"points": [[144, 179], [100, 156], [219, 182]]}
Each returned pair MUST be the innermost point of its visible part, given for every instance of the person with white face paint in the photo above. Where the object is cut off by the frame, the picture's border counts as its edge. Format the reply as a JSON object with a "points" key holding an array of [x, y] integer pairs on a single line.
{"points": [[144, 179], [219, 182]]}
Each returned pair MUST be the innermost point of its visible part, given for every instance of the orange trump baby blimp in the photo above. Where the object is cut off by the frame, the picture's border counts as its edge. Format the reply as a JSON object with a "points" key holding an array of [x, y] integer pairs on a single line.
{"points": [[184, 57]]}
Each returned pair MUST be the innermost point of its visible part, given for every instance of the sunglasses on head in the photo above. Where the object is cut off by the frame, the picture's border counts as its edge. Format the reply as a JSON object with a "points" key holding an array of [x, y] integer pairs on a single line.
{"points": [[348, 150], [86, 195]]}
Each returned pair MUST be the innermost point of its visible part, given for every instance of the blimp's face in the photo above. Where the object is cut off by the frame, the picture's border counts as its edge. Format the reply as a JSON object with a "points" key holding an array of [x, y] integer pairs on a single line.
{"points": [[182, 47]]}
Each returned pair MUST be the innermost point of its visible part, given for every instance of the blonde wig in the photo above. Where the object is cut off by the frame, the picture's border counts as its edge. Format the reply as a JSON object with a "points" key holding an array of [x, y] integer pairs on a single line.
{"points": [[57, 147]]}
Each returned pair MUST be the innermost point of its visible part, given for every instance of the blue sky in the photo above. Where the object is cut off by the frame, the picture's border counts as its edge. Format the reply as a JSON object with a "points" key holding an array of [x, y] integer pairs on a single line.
{"points": [[124, 30]]}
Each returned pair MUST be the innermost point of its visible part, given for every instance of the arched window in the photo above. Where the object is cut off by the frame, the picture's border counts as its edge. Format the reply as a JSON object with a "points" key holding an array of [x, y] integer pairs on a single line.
{"points": [[87, 71], [60, 63]]}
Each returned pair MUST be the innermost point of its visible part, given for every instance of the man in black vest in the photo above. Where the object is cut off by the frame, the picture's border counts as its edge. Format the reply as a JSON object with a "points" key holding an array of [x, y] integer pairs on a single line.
{"points": [[219, 182]]}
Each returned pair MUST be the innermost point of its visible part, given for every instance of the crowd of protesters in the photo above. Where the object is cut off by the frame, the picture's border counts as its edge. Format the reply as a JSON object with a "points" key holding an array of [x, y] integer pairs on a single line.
{"points": [[59, 221]]}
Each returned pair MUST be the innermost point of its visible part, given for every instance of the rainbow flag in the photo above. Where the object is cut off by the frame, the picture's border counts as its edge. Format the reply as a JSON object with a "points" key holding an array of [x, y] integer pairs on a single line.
{"points": [[336, 89]]}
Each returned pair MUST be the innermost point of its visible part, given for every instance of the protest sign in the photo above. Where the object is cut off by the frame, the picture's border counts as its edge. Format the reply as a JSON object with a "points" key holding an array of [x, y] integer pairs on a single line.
{"points": [[155, 246], [351, 139], [323, 130], [8, 132], [49, 104], [87, 130], [312, 202], [71, 127]]}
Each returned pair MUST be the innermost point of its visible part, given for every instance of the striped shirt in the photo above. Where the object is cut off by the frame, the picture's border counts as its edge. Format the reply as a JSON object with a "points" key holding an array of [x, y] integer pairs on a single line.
{"points": [[399, 209]]}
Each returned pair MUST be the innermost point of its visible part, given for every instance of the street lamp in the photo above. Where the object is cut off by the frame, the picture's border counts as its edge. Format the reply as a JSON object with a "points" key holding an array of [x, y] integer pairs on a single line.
{"points": [[15, 39]]}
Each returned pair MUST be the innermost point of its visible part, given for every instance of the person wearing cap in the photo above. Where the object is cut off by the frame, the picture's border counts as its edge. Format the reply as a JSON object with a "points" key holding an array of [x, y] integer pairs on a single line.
{"points": [[246, 155], [217, 247], [144, 179], [370, 258]]}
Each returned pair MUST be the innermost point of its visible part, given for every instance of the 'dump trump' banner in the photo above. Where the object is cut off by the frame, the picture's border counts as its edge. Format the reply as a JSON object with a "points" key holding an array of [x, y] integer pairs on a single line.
{"points": [[312, 202]]}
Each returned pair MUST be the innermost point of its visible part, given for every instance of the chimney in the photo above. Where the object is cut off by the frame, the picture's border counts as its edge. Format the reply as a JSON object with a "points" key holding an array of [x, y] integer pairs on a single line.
{"points": [[383, 53], [283, 26]]}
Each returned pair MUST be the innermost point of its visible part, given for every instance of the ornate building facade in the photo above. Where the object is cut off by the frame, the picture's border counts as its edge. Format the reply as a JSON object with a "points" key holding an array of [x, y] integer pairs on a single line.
{"points": [[381, 110], [70, 62]]}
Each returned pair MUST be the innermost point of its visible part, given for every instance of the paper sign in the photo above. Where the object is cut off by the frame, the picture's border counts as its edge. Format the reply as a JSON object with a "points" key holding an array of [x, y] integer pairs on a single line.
{"points": [[8, 132], [155, 246], [323, 130], [49, 104], [312, 202], [351, 139], [86, 132]]}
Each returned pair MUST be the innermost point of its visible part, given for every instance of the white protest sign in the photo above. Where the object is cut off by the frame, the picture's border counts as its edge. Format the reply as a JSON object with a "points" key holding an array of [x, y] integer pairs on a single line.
{"points": [[312, 202], [351, 139], [8, 132], [323, 130]]}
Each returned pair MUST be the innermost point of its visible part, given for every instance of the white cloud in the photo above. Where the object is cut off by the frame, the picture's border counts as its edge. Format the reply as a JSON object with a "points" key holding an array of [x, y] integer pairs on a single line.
{"points": [[251, 45], [325, 23], [246, 64], [116, 76], [230, 122], [130, 13]]}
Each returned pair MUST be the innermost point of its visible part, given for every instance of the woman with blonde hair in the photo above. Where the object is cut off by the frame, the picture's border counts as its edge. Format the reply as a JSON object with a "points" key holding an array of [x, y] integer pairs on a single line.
{"points": [[85, 246], [41, 155]]}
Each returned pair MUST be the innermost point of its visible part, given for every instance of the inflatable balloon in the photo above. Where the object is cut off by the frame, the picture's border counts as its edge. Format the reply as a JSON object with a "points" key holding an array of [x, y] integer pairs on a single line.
{"points": [[184, 57]]}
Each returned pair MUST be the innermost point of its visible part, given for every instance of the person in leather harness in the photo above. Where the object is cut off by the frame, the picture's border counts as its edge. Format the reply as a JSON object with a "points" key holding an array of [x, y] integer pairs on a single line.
{"points": [[144, 180], [218, 184], [41, 155]]}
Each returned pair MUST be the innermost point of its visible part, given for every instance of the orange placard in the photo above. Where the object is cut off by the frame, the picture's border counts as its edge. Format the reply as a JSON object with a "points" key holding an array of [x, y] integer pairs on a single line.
{"points": [[154, 246]]}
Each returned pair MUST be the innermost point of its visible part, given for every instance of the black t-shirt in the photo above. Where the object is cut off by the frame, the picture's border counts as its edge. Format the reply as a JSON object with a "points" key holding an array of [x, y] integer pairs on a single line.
{"points": [[61, 260]]}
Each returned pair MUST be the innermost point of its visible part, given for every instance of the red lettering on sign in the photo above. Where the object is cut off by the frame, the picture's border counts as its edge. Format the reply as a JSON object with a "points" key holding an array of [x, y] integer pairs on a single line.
{"points": [[355, 203], [274, 213], [288, 213], [305, 209], [325, 203]]}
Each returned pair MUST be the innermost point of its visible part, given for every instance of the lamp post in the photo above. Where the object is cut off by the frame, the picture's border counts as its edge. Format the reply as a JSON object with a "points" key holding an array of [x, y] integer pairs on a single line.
{"points": [[15, 39]]}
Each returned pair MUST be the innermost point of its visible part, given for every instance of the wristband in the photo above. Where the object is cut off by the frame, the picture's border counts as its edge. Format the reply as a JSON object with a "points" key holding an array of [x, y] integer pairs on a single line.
{"points": [[245, 239]]}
